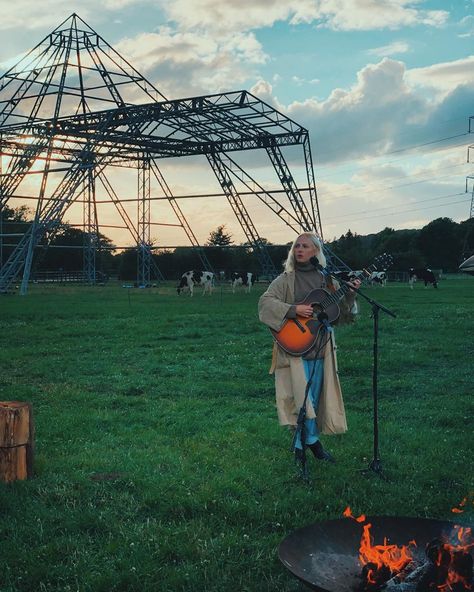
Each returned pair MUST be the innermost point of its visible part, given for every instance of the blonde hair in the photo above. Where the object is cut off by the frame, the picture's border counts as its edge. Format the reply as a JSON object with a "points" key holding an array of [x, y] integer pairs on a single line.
{"points": [[290, 261]]}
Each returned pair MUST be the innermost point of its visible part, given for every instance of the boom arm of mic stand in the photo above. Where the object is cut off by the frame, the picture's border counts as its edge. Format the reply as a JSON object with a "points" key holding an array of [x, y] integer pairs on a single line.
{"points": [[374, 303]]}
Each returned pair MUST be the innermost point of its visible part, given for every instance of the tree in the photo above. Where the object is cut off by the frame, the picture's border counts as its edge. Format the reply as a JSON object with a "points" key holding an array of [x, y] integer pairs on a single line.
{"points": [[13, 223], [467, 235], [67, 251], [219, 238], [352, 249], [440, 242], [381, 239]]}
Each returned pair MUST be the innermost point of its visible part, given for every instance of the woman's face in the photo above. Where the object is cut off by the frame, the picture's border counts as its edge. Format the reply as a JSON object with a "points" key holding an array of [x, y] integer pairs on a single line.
{"points": [[304, 249]]}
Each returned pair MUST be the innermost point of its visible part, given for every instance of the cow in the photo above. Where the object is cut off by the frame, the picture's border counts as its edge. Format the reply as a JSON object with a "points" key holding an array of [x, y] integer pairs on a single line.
{"points": [[424, 274], [189, 279], [346, 276], [244, 278], [378, 278]]}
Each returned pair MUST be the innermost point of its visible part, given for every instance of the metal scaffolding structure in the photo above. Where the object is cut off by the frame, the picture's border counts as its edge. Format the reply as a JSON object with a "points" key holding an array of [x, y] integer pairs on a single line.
{"points": [[72, 107], [466, 251], [470, 178]]}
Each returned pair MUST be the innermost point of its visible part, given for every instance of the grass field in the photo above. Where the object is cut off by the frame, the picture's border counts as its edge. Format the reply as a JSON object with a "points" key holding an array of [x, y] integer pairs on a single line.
{"points": [[160, 465]]}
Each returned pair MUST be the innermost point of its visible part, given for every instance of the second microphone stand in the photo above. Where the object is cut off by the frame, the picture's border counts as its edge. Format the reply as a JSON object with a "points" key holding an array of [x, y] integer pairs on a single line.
{"points": [[375, 464]]}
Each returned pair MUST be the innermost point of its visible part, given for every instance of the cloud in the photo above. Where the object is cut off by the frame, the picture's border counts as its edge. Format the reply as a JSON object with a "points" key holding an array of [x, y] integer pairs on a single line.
{"points": [[182, 63], [343, 15], [39, 15], [468, 23], [350, 15], [394, 48], [444, 76], [382, 112], [227, 15], [350, 123], [300, 81], [264, 91], [245, 15]]}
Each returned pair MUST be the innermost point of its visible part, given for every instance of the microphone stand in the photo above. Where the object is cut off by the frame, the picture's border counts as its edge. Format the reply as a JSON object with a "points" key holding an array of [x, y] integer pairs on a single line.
{"points": [[375, 464]]}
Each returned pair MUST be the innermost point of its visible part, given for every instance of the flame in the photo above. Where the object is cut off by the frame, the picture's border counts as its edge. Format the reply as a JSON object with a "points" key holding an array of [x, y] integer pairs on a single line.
{"points": [[447, 556], [348, 514], [462, 503], [463, 534], [391, 556], [380, 560], [382, 556]]}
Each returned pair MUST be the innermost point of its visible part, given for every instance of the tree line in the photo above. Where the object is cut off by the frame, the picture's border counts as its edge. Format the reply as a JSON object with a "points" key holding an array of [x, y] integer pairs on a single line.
{"points": [[441, 244]]}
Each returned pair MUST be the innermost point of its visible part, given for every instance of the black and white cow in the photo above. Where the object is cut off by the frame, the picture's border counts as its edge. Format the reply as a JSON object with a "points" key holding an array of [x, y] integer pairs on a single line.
{"points": [[242, 278], [378, 278], [346, 276], [189, 279], [423, 274]]}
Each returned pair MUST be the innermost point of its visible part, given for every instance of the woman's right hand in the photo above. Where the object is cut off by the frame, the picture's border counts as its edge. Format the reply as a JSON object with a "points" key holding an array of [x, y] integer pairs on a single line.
{"points": [[304, 310]]}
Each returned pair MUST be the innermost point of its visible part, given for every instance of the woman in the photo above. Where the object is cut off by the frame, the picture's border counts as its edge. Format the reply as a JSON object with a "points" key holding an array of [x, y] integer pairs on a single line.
{"points": [[317, 368]]}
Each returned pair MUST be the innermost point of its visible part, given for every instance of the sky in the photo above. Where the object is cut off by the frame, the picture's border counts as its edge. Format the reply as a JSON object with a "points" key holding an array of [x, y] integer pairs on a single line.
{"points": [[385, 88]]}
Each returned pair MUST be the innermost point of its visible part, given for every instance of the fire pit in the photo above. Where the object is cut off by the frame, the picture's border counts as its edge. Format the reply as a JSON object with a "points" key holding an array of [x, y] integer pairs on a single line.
{"points": [[325, 555]]}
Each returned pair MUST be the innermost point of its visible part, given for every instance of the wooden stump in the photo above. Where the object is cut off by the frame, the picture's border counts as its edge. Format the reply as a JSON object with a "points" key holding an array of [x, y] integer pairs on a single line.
{"points": [[16, 441]]}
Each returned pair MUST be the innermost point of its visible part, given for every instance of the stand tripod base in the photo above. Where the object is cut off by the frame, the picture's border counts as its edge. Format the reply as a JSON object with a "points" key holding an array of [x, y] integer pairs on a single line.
{"points": [[375, 466]]}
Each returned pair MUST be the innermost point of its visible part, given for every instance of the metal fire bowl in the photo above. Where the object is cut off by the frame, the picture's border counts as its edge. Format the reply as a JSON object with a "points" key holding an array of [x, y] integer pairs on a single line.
{"points": [[324, 555]]}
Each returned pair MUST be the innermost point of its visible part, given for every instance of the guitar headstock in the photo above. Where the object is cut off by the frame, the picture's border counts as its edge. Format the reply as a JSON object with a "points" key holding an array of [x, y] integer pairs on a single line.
{"points": [[381, 263]]}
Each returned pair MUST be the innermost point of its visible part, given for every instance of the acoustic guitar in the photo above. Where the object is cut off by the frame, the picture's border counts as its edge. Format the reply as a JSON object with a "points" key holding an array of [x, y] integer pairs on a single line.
{"points": [[298, 336]]}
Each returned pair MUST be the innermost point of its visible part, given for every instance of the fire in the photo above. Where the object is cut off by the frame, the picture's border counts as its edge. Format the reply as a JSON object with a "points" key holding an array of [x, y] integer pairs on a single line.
{"points": [[451, 560], [384, 556], [461, 504], [348, 514], [455, 558]]}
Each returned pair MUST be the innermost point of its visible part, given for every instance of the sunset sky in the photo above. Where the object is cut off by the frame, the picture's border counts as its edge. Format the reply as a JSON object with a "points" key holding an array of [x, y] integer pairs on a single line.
{"points": [[385, 87]]}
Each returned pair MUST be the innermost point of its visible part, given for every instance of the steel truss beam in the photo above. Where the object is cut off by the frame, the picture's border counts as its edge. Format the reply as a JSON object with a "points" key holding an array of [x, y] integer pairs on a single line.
{"points": [[47, 221], [144, 243], [265, 196], [182, 220], [221, 172], [91, 228], [306, 220]]}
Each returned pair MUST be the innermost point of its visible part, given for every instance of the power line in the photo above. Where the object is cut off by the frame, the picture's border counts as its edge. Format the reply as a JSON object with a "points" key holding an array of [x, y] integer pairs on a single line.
{"points": [[402, 211], [382, 156], [381, 189]]}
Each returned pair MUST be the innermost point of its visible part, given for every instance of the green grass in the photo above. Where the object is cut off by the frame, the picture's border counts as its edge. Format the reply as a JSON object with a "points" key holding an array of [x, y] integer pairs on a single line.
{"points": [[159, 461]]}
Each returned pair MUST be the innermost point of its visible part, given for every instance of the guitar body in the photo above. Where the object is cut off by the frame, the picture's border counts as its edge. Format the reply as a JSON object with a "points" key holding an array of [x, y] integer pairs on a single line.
{"points": [[291, 336]]}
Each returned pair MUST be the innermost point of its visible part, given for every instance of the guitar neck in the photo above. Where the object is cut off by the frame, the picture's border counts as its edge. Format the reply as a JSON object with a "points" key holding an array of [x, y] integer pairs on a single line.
{"points": [[338, 295], [382, 261], [341, 292]]}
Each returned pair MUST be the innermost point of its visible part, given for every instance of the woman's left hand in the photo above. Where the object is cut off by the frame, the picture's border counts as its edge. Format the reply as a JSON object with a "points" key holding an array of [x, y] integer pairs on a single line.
{"points": [[354, 284]]}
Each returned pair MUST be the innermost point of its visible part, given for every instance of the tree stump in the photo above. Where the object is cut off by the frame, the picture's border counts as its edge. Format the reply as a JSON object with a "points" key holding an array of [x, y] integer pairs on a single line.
{"points": [[16, 441]]}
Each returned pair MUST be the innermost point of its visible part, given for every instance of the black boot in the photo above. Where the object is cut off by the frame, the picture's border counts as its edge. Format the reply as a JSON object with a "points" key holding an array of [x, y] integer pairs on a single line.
{"points": [[319, 452]]}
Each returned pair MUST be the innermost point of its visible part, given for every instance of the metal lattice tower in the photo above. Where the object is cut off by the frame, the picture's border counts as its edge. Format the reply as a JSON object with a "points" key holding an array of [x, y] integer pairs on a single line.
{"points": [[466, 252], [470, 178], [73, 107]]}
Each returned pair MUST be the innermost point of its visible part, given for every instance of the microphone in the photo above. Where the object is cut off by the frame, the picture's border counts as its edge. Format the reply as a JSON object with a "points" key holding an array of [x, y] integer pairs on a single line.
{"points": [[315, 262], [324, 320]]}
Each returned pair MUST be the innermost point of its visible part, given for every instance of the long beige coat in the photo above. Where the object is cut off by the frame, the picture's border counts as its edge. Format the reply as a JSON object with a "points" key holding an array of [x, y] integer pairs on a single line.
{"points": [[290, 379]]}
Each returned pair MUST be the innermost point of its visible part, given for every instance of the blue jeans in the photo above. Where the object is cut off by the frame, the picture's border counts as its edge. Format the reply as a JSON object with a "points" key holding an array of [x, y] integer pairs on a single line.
{"points": [[312, 433]]}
